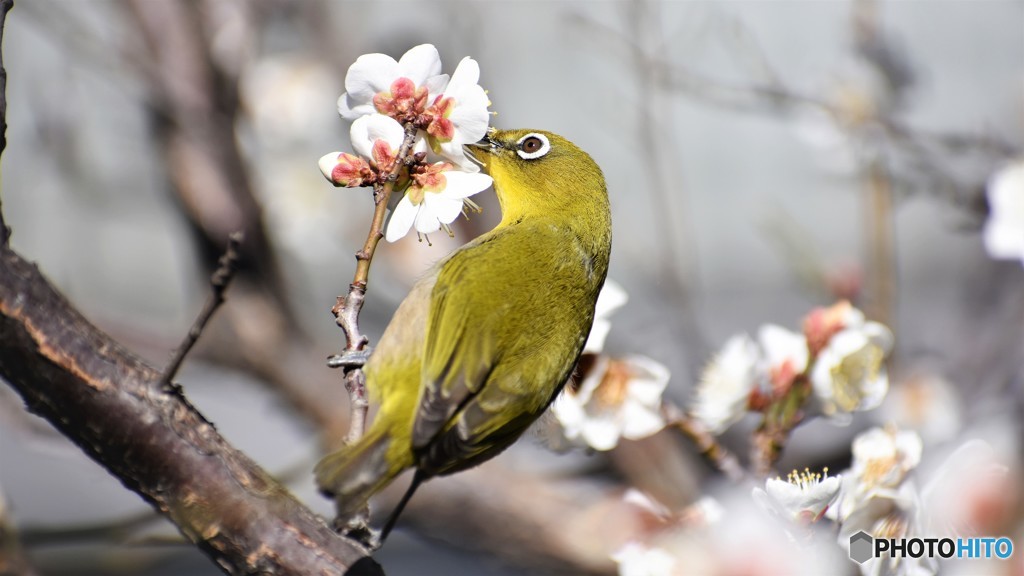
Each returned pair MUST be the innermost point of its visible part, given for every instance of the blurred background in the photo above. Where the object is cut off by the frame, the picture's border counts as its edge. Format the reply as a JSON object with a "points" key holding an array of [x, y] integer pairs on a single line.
{"points": [[762, 158]]}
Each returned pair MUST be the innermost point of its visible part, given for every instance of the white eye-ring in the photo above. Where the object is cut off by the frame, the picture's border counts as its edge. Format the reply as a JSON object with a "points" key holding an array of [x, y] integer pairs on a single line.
{"points": [[533, 145]]}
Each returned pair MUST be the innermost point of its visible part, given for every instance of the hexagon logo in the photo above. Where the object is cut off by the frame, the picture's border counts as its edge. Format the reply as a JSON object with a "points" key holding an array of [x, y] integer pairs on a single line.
{"points": [[861, 547]]}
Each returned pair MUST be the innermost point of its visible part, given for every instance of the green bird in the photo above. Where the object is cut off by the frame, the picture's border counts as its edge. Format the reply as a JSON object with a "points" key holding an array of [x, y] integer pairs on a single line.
{"points": [[487, 339]]}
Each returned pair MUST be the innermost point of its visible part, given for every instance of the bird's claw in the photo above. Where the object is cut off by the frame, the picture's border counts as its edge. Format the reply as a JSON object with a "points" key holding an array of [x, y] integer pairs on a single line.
{"points": [[349, 358]]}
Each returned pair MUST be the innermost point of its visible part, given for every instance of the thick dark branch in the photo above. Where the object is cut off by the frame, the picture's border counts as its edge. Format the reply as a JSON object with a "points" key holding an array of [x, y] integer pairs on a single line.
{"points": [[111, 404]]}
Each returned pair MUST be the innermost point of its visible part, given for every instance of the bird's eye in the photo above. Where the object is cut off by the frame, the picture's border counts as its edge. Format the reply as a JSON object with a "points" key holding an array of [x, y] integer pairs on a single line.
{"points": [[532, 146]]}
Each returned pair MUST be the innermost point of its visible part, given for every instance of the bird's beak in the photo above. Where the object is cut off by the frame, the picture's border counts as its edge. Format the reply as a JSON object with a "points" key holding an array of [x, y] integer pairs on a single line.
{"points": [[478, 151]]}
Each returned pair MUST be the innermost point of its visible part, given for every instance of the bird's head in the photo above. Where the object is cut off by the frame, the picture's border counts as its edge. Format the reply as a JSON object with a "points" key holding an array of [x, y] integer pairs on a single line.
{"points": [[539, 173]]}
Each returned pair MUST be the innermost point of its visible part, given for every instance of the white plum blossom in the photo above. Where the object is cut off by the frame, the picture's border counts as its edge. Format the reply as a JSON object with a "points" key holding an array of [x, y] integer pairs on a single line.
{"points": [[1004, 229], [611, 298], [376, 139], [785, 356], [803, 497], [448, 114], [849, 372], [376, 83], [619, 398], [459, 116], [726, 383], [435, 199], [436, 193]]}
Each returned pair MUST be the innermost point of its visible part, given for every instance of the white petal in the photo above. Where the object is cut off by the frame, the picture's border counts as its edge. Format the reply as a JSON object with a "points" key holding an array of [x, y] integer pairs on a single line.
{"points": [[780, 345], [435, 85], [401, 220], [467, 73], [370, 74], [426, 221], [634, 559], [649, 381], [368, 129], [880, 336], [612, 297], [327, 163], [1003, 240], [463, 184], [454, 153], [640, 421], [1004, 230], [592, 380], [602, 432], [470, 115], [570, 414], [726, 383], [441, 208], [420, 63], [350, 109], [598, 333]]}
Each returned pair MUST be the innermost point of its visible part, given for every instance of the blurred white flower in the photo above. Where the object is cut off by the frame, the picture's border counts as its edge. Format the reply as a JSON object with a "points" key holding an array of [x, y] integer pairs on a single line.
{"points": [[618, 398], [972, 493], [611, 298], [882, 458], [803, 497], [435, 198], [726, 383], [1004, 230], [287, 97], [926, 403], [376, 83], [785, 356], [849, 374], [635, 559]]}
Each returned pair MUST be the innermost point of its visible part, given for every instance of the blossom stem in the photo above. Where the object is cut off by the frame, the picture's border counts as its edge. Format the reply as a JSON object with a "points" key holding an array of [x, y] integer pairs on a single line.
{"points": [[720, 456], [784, 415], [346, 309]]}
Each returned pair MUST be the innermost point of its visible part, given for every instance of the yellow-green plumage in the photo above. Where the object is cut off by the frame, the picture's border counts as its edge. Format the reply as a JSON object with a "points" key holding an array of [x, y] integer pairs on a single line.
{"points": [[484, 342]]}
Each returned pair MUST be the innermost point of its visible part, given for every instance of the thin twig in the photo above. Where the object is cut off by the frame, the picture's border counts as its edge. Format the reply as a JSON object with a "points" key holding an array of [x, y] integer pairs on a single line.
{"points": [[219, 281], [5, 6], [720, 456], [346, 309]]}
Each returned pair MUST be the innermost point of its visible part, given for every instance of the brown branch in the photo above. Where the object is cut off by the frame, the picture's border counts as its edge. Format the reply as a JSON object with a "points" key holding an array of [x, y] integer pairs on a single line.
{"points": [[346, 309], [219, 284], [111, 404]]}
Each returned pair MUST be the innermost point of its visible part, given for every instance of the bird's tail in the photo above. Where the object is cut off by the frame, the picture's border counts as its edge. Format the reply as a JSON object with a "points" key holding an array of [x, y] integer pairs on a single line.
{"points": [[354, 473]]}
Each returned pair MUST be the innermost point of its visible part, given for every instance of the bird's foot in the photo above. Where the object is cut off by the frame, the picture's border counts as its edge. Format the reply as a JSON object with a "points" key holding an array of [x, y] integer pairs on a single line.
{"points": [[349, 358]]}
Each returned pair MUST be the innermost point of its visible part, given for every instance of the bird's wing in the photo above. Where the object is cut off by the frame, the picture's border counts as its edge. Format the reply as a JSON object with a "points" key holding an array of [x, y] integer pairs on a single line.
{"points": [[449, 379], [480, 294]]}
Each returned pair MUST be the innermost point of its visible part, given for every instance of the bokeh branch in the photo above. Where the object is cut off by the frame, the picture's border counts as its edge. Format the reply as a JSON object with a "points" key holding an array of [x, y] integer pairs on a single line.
{"points": [[218, 286], [194, 106]]}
